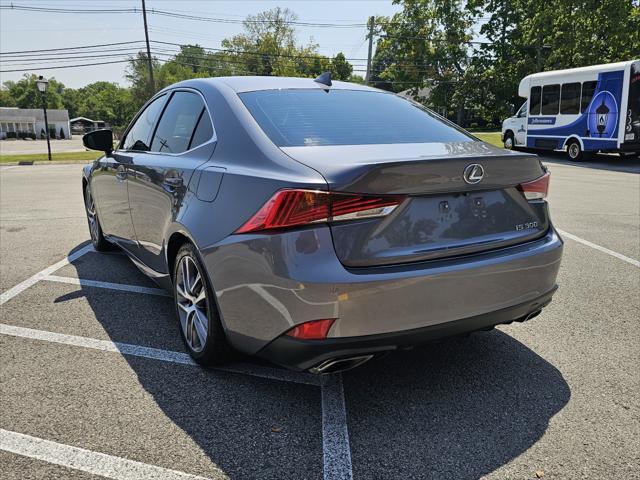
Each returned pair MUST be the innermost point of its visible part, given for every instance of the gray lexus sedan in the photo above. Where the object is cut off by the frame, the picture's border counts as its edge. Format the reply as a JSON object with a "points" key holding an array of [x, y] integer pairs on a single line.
{"points": [[319, 224]]}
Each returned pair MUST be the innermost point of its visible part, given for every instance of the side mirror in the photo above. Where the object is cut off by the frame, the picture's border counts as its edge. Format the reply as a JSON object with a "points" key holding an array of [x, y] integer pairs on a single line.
{"points": [[99, 140]]}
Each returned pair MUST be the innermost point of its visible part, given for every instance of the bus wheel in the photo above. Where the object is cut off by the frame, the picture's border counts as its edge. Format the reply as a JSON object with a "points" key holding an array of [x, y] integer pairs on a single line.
{"points": [[574, 151], [509, 141]]}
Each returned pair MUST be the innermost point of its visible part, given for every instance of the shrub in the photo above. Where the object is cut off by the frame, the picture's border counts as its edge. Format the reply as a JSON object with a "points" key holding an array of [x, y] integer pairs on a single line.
{"points": [[43, 135], [11, 135], [32, 135], [62, 133]]}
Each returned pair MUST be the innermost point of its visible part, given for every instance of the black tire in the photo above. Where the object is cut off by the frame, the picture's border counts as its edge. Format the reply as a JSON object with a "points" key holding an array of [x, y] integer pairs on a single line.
{"points": [[215, 350], [509, 141], [575, 152], [100, 243]]}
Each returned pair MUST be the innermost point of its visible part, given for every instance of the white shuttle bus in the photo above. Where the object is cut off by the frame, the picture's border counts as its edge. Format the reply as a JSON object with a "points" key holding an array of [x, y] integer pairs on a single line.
{"points": [[580, 111]]}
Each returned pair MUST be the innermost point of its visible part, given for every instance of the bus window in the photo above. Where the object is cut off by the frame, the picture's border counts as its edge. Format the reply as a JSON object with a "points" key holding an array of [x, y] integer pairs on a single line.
{"points": [[534, 101], [550, 99], [587, 94], [523, 111], [570, 98]]}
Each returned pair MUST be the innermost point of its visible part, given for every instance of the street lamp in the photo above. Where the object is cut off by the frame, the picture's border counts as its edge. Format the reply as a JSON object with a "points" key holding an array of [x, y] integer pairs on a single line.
{"points": [[42, 85]]}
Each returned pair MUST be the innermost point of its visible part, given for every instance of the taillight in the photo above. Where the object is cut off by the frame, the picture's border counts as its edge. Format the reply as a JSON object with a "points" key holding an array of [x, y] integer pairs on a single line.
{"points": [[536, 189], [313, 330], [289, 208]]}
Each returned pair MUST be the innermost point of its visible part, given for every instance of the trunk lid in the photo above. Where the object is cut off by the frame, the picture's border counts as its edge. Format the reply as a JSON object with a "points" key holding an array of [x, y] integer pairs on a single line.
{"points": [[443, 215]]}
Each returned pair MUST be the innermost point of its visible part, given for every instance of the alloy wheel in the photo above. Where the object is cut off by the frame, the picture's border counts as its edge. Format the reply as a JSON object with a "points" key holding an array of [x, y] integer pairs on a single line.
{"points": [[92, 217], [191, 298]]}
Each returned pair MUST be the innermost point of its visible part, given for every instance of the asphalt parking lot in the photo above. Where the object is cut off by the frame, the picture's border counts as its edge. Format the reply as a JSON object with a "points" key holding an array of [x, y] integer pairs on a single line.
{"points": [[94, 380]]}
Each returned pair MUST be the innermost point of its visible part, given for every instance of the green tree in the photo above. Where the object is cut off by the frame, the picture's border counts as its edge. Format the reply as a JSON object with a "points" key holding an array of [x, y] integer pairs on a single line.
{"points": [[6, 100], [137, 73], [25, 94], [426, 45], [106, 101], [72, 101], [340, 68], [527, 36]]}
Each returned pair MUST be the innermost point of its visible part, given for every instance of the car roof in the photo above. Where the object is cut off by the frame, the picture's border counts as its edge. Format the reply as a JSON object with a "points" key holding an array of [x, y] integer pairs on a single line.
{"points": [[252, 83]]}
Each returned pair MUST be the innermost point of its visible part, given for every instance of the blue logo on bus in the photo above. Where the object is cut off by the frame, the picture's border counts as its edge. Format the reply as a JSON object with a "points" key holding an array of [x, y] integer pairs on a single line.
{"points": [[603, 115]]}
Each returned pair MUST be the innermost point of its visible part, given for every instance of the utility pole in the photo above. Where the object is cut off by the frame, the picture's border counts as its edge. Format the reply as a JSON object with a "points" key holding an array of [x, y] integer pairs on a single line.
{"points": [[146, 36], [367, 77]]}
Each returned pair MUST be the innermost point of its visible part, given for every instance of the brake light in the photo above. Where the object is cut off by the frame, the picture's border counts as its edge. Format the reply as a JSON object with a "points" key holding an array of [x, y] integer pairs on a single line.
{"points": [[313, 330], [289, 208], [536, 189]]}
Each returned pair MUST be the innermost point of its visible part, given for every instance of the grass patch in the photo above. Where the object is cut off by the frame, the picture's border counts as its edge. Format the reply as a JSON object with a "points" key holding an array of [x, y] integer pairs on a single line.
{"points": [[490, 137], [55, 157]]}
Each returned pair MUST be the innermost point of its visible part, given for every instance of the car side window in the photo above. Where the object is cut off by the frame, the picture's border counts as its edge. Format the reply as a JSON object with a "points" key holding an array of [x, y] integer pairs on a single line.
{"points": [[179, 123], [203, 132], [550, 99], [140, 133], [534, 100]]}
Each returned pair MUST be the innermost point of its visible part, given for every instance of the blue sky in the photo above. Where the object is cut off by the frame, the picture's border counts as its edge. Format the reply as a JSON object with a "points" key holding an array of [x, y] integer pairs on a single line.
{"points": [[34, 30]]}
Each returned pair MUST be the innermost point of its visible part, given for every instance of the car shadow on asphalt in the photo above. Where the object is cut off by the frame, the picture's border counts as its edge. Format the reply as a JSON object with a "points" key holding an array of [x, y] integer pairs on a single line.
{"points": [[247, 426], [459, 408]]}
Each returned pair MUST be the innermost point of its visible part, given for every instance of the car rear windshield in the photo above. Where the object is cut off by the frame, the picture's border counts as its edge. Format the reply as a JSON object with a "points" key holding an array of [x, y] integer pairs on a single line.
{"points": [[293, 118]]}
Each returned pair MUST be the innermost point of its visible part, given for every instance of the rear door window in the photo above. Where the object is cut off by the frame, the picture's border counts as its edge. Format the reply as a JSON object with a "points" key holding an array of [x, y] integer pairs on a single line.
{"points": [[140, 132], [570, 98], [308, 117], [588, 88], [178, 123], [550, 99], [203, 132], [534, 100]]}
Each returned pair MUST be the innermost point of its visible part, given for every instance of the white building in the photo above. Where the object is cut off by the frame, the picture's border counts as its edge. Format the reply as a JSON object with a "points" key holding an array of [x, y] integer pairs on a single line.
{"points": [[21, 122]]}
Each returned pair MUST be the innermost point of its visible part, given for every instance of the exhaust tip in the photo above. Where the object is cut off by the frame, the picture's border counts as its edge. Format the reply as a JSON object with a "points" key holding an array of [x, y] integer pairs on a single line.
{"points": [[340, 364], [531, 315]]}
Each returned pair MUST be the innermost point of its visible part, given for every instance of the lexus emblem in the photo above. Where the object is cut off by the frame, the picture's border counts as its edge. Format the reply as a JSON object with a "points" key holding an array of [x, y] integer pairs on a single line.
{"points": [[473, 173]]}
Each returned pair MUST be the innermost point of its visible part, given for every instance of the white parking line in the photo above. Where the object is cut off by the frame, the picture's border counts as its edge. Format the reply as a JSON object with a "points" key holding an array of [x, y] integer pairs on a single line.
{"points": [[155, 354], [575, 238], [22, 286], [108, 285], [94, 463], [335, 435]]}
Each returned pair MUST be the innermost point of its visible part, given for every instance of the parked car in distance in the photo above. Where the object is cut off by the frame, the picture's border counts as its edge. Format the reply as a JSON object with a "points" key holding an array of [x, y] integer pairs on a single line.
{"points": [[319, 224], [580, 110]]}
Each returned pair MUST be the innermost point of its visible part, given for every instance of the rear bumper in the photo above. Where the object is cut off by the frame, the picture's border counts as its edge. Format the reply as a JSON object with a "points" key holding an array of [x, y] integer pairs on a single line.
{"points": [[304, 355], [266, 284]]}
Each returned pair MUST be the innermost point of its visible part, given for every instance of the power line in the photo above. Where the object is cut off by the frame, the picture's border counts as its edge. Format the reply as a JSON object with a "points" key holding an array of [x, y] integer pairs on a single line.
{"points": [[168, 13], [34, 61], [65, 66], [246, 52], [72, 48], [45, 56]]}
